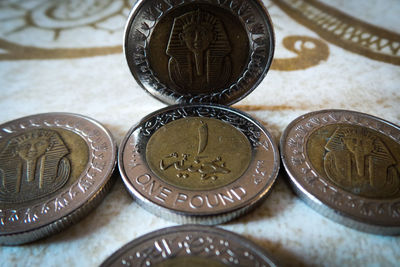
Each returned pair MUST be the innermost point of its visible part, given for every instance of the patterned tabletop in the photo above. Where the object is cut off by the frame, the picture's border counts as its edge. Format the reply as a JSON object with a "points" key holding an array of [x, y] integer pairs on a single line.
{"points": [[66, 56]]}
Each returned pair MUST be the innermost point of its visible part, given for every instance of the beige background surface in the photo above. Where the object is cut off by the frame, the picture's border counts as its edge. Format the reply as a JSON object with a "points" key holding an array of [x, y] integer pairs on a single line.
{"points": [[71, 61]]}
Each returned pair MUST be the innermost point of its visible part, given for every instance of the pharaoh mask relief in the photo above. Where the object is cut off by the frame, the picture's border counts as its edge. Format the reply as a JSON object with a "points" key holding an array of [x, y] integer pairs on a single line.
{"points": [[359, 161], [199, 52], [33, 165]]}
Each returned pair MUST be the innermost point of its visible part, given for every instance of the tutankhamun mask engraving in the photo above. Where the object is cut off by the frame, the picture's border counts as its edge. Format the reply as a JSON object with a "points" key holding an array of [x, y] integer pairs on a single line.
{"points": [[359, 161], [199, 52], [33, 165]]}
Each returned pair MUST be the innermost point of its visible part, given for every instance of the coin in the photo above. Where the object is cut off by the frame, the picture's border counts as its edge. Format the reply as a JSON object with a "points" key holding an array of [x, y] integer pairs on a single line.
{"points": [[54, 169], [190, 245], [346, 165], [198, 163], [199, 51]]}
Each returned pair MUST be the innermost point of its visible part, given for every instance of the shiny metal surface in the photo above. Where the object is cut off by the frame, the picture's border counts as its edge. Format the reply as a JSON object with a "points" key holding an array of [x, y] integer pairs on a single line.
{"points": [[185, 163], [54, 168], [190, 245], [199, 51], [346, 165]]}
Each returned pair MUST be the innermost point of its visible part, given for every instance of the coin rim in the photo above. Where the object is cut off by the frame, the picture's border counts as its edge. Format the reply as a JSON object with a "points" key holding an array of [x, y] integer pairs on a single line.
{"points": [[321, 203], [177, 98], [203, 217], [92, 200], [241, 241]]}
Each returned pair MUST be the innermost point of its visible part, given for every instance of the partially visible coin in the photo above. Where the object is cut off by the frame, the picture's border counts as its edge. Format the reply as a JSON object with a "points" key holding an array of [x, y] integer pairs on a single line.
{"points": [[346, 165], [190, 245], [198, 163], [199, 51], [54, 168]]}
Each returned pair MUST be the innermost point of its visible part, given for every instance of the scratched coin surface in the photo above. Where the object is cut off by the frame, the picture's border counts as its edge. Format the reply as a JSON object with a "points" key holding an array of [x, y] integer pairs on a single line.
{"points": [[54, 168], [190, 245], [199, 51], [198, 163], [346, 165]]}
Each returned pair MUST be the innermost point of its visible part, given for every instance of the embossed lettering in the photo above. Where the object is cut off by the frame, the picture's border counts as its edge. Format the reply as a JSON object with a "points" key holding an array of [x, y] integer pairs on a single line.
{"points": [[45, 208], [214, 200], [297, 160], [30, 216], [13, 217], [84, 184], [227, 197], [210, 199], [163, 247], [60, 203], [181, 198], [133, 162], [152, 187], [143, 179], [239, 192], [196, 202], [99, 166], [163, 194], [260, 172], [73, 191], [293, 143]]}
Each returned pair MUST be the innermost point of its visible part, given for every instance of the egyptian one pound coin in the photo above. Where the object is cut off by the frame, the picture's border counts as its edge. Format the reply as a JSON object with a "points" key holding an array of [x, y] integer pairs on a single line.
{"points": [[346, 165], [190, 245], [199, 51], [198, 163], [54, 168]]}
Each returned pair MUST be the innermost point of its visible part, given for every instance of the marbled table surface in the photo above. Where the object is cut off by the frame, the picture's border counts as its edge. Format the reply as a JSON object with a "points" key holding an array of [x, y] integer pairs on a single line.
{"points": [[48, 64]]}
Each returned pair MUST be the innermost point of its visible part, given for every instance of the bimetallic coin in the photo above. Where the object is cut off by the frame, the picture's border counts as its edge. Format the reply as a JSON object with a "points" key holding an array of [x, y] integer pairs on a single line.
{"points": [[190, 245], [54, 168], [199, 51], [198, 163], [346, 165]]}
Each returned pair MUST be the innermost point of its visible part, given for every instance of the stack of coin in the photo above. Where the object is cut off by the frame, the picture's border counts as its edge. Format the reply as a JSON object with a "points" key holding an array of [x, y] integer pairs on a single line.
{"points": [[199, 161]]}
